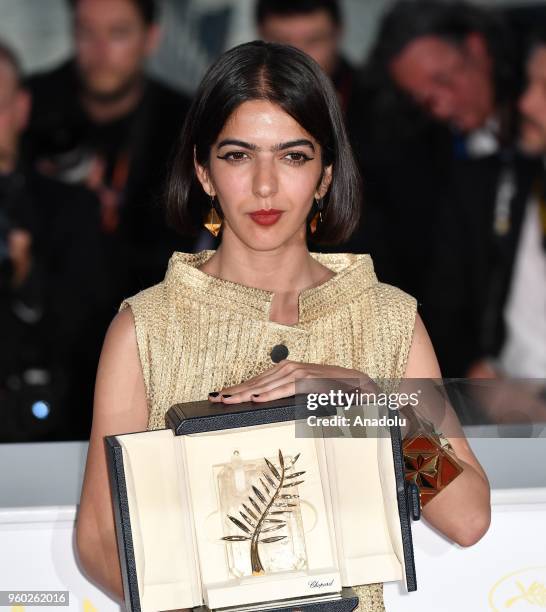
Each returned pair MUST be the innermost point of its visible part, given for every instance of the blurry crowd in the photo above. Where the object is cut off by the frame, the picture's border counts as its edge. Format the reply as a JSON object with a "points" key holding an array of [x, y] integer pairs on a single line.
{"points": [[447, 118]]}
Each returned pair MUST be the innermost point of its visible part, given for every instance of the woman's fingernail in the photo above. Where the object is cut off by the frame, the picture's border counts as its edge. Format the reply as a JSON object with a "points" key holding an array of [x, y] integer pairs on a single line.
{"points": [[226, 394], [214, 394]]}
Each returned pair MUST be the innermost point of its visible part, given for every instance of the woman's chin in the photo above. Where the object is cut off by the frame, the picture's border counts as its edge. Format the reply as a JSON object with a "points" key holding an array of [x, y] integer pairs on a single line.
{"points": [[268, 237], [267, 241]]}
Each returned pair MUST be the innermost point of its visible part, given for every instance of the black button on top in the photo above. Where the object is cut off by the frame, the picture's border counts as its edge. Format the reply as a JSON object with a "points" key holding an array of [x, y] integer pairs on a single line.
{"points": [[278, 352]]}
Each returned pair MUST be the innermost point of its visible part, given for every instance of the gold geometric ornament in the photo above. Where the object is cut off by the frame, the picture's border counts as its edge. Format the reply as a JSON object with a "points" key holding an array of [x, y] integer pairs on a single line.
{"points": [[213, 222], [316, 218]]}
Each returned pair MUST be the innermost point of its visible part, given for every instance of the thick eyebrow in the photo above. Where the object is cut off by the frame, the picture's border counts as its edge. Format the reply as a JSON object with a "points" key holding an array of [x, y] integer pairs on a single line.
{"points": [[302, 142]]}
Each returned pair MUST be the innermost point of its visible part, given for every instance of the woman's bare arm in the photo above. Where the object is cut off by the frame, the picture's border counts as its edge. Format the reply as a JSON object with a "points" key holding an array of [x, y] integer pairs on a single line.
{"points": [[120, 406], [461, 511]]}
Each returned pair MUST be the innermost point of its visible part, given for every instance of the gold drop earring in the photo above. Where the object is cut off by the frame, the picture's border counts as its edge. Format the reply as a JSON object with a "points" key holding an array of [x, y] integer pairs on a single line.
{"points": [[213, 222], [317, 217]]}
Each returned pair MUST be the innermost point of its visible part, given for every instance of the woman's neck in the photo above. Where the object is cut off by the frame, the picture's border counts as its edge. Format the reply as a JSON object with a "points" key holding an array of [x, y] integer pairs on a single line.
{"points": [[288, 269], [286, 272]]}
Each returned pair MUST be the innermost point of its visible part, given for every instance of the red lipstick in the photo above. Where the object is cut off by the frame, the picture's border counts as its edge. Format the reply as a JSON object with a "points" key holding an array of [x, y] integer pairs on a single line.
{"points": [[266, 217]]}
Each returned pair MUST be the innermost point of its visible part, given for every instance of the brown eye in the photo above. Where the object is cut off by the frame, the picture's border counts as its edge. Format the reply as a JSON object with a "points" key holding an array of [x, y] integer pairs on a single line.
{"points": [[297, 158], [233, 156]]}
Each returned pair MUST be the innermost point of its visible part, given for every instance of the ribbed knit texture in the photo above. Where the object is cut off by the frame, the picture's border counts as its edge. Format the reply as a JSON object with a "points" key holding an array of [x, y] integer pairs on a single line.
{"points": [[197, 333]]}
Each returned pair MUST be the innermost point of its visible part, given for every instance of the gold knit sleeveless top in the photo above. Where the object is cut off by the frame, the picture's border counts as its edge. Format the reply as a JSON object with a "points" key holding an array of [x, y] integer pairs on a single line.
{"points": [[197, 333]]}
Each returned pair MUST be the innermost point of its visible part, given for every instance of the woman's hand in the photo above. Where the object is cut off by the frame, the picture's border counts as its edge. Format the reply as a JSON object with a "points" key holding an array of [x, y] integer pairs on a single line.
{"points": [[280, 381]]}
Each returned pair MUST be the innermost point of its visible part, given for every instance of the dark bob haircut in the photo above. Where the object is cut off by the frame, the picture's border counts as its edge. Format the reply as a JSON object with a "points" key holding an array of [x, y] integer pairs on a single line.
{"points": [[289, 78], [147, 8]]}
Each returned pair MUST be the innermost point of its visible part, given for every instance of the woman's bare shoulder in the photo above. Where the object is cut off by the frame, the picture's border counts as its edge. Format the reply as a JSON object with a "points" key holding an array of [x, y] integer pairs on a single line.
{"points": [[120, 336], [120, 385], [422, 362]]}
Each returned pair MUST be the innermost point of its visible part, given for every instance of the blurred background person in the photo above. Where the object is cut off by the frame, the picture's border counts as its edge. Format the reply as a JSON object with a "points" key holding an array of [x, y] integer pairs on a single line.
{"points": [[456, 61], [316, 28], [50, 266], [99, 120], [493, 256], [521, 312]]}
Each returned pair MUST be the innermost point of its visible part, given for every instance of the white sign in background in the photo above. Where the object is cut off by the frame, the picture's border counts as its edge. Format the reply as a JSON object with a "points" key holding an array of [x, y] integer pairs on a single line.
{"points": [[37, 552], [506, 570]]}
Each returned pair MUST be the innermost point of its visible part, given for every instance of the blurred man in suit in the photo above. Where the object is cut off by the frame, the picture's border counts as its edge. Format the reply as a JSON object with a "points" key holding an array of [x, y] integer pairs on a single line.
{"points": [[487, 306], [50, 268], [454, 60], [99, 120]]}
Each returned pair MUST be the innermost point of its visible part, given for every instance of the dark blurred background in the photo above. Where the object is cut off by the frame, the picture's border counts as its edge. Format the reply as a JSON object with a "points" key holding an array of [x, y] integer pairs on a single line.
{"points": [[445, 103]]}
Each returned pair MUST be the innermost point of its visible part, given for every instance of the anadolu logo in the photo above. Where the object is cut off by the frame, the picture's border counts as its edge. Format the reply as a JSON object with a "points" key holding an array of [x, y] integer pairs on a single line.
{"points": [[524, 589]]}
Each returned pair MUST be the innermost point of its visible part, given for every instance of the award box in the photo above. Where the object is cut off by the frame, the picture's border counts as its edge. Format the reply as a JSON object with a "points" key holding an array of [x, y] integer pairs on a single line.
{"points": [[226, 508]]}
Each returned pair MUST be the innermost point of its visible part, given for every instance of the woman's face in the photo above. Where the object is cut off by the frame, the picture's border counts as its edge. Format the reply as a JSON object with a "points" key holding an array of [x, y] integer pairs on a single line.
{"points": [[265, 170]]}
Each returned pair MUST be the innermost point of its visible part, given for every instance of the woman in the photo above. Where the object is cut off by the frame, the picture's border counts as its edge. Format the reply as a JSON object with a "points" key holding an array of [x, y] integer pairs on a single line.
{"points": [[264, 157]]}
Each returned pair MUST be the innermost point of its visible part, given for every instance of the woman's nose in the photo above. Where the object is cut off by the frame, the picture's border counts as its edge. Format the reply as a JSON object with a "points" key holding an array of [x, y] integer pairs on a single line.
{"points": [[265, 178]]}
